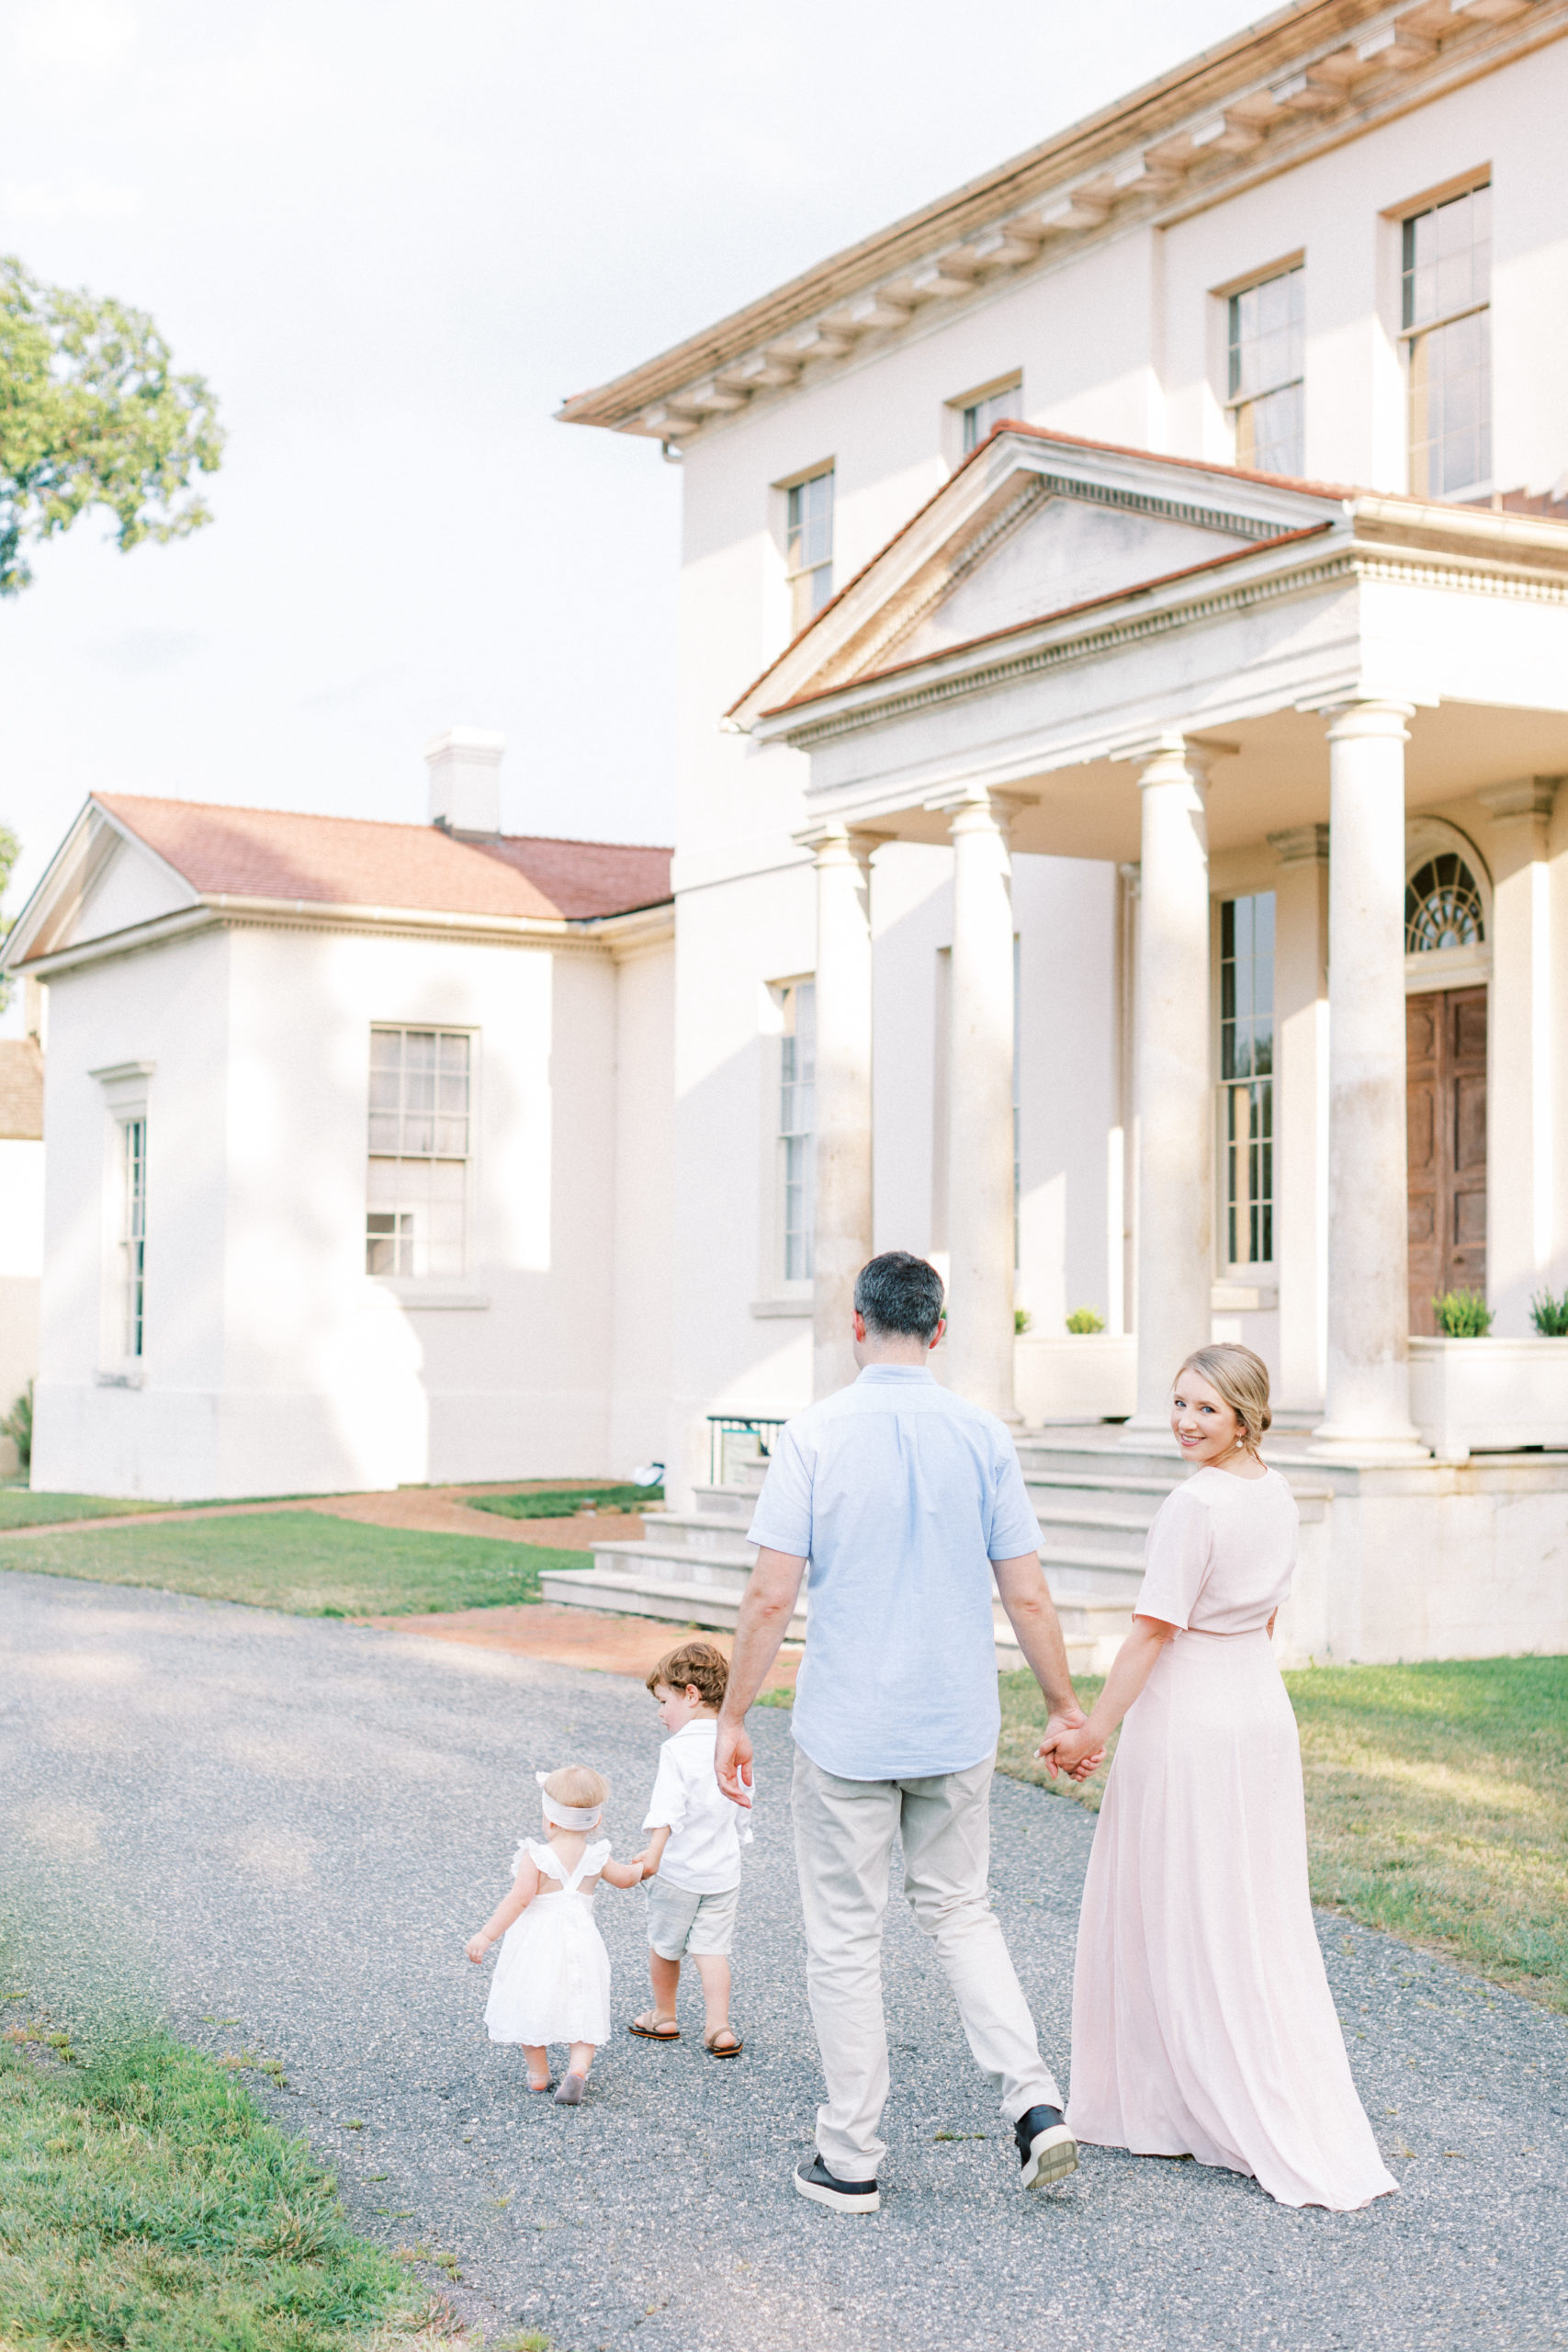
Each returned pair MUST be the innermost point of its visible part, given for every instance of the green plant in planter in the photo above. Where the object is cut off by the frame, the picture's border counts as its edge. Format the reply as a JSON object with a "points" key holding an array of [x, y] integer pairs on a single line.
{"points": [[1084, 1318], [18, 1426], [1462, 1314], [1021, 1320], [1550, 1314]]}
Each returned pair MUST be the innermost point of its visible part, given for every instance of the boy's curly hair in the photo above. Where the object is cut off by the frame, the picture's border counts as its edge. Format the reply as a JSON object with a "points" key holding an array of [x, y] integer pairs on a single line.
{"points": [[693, 1662]]}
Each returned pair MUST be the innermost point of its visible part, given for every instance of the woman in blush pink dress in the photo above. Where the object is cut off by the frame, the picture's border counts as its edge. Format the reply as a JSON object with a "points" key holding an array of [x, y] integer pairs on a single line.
{"points": [[1202, 2022]]}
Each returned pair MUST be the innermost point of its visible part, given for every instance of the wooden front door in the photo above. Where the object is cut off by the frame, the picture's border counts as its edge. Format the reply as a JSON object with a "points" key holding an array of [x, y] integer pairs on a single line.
{"points": [[1445, 1082]]}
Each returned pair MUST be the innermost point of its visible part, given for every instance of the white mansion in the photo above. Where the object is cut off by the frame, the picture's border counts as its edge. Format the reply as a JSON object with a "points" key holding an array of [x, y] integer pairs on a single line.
{"points": [[1119, 849], [1125, 650]]}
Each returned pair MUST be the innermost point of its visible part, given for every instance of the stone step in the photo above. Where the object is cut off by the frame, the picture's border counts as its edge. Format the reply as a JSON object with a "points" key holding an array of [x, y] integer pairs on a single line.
{"points": [[743, 1471], [1060, 1492], [727, 1566], [701, 1530], [1074, 1580], [628, 1590], [1115, 1468], [1093, 1630], [632, 1592], [1069, 1527], [726, 1502]]}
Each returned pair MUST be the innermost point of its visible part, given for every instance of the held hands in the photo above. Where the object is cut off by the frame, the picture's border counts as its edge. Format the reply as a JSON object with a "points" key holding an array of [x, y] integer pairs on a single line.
{"points": [[1071, 1746], [732, 1762], [644, 1863]]}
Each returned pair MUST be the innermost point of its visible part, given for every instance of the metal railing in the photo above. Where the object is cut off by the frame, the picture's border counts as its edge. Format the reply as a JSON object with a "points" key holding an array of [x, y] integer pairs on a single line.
{"points": [[724, 1425]]}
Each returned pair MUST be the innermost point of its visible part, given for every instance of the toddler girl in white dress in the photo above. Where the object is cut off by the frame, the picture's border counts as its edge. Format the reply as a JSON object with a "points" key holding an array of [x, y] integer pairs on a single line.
{"points": [[552, 1980]]}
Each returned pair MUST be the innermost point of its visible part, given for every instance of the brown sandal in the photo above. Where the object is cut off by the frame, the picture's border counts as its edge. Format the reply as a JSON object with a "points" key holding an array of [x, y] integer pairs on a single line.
{"points": [[646, 2032], [710, 2043]]}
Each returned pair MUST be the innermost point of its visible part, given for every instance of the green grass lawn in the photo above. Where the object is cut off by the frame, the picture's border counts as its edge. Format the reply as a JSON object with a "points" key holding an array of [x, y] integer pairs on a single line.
{"points": [[564, 1502], [19, 1507], [146, 2201], [1436, 1800], [305, 1561]]}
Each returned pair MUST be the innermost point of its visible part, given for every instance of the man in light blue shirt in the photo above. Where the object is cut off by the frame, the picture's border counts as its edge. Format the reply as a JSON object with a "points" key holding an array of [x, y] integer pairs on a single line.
{"points": [[908, 1505]]}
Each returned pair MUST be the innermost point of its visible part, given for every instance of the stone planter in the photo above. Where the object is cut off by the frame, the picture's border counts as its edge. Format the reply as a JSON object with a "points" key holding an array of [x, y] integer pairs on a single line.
{"points": [[1489, 1395], [1082, 1375]]}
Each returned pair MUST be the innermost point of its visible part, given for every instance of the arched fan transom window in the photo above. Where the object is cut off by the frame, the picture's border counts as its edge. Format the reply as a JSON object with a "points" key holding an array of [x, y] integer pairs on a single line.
{"points": [[1442, 906]]}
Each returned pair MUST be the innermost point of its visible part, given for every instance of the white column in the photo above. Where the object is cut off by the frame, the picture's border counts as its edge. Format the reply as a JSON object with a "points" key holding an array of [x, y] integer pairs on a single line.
{"points": [[841, 1235], [979, 1166], [1300, 1114], [1520, 1107], [1175, 1191], [1367, 1412], [1122, 1158]]}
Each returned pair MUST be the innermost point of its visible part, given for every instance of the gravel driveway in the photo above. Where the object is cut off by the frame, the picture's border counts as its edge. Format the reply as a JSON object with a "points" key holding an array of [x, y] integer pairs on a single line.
{"points": [[277, 1832]]}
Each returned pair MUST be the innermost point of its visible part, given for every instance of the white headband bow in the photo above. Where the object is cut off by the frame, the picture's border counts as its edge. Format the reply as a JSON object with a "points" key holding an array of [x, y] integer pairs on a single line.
{"points": [[566, 1817]]}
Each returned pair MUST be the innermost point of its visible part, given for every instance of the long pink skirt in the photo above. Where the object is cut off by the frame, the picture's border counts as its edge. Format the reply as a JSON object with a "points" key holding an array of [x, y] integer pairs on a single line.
{"points": [[1202, 2022]]}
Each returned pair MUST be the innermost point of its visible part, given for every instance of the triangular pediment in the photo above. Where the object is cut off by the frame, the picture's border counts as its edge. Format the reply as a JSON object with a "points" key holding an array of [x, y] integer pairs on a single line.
{"points": [[101, 883], [1061, 551], [1033, 527]]}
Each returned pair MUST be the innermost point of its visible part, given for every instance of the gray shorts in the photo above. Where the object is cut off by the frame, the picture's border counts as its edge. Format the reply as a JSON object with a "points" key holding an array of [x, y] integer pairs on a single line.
{"points": [[680, 1920]]}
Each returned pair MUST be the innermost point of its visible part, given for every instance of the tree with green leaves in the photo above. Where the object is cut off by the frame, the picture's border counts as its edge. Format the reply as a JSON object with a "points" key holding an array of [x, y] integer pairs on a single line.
{"points": [[93, 415]]}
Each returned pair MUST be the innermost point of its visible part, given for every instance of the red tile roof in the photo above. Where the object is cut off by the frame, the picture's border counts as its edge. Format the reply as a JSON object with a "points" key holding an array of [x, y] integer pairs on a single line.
{"points": [[360, 862]]}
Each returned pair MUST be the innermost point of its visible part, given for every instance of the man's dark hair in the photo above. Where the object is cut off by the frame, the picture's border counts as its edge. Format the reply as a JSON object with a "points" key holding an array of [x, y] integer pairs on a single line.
{"points": [[897, 1293]]}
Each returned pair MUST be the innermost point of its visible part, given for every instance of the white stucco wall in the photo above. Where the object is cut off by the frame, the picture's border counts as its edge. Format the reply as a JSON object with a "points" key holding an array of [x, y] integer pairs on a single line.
{"points": [[272, 1365], [21, 1267], [639, 1242], [171, 1008], [1121, 342]]}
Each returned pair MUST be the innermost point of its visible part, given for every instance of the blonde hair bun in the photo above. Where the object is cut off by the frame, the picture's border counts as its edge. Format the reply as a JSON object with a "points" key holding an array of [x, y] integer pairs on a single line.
{"points": [[1241, 1379]]}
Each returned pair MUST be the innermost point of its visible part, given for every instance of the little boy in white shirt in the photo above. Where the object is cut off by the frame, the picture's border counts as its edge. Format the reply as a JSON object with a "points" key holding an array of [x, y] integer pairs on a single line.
{"points": [[693, 1860]]}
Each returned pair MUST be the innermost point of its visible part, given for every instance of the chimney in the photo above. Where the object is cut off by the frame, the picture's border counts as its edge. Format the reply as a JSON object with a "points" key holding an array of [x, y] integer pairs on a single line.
{"points": [[465, 780]]}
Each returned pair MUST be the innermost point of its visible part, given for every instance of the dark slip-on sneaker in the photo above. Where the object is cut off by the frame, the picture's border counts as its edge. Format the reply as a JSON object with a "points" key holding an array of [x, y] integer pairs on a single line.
{"points": [[1047, 2150], [815, 2180]]}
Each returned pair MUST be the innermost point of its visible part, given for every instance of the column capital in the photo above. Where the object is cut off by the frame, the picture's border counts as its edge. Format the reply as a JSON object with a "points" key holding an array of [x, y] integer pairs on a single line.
{"points": [[982, 800], [1530, 798], [831, 833], [1352, 715], [1301, 846], [1165, 755]]}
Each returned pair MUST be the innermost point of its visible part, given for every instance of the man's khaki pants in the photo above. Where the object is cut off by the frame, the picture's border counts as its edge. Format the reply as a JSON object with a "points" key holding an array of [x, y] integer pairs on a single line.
{"points": [[843, 1842]]}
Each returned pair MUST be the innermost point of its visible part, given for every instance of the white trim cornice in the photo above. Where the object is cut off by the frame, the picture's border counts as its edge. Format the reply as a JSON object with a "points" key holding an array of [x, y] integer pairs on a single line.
{"points": [[619, 936], [1278, 94], [1147, 613]]}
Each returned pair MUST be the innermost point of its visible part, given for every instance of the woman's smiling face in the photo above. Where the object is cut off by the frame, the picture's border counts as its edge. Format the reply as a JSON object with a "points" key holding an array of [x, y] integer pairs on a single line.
{"points": [[1202, 1424]]}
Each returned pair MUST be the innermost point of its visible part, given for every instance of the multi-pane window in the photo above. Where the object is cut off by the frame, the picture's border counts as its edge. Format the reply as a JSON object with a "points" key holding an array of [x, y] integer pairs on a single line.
{"points": [[1266, 368], [809, 548], [1246, 1076], [798, 1127], [1446, 287], [991, 409], [417, 1196], [1442, 906], [132, 1233]]}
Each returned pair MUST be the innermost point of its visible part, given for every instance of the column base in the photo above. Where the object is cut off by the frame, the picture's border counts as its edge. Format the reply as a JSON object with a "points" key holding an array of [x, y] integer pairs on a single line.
{"points": [[1332, 1444]]}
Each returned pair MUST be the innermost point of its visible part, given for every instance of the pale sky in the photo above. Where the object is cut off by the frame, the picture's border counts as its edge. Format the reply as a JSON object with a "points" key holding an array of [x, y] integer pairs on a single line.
{"points": [[394, 234]]}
